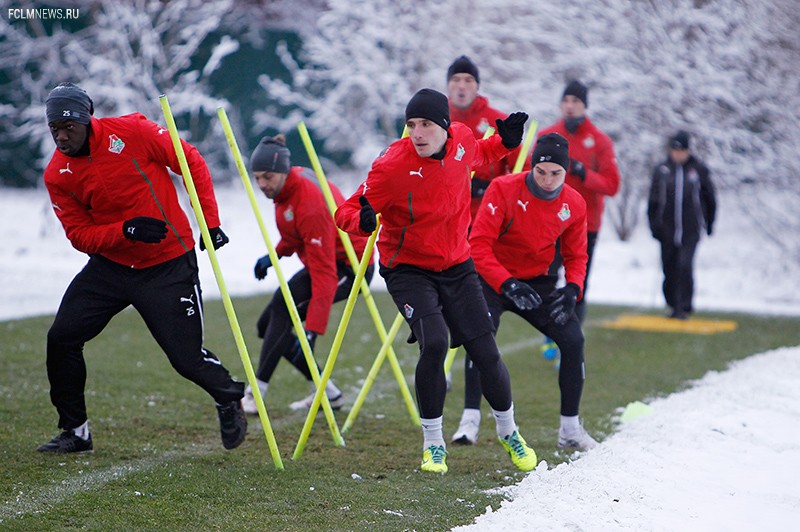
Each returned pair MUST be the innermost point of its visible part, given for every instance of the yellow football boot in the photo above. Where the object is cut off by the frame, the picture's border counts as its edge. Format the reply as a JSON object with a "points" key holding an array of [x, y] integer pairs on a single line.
{"points": [[433, 459], [521, 455]]}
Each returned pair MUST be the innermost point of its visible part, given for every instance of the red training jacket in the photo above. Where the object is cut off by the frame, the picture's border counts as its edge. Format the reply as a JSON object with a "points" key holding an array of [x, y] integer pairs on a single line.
{"points": [[423, 202], [595, 150], [515, 233], [306, 227], [125, 176]]}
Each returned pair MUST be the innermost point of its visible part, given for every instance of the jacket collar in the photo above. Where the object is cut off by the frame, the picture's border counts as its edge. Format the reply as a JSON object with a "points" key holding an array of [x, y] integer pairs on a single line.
{"points": [[291, 185]]}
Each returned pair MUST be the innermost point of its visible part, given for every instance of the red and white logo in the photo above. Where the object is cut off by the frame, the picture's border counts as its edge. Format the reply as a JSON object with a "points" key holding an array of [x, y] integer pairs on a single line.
{"points": [[564, 213], [115, 144]]}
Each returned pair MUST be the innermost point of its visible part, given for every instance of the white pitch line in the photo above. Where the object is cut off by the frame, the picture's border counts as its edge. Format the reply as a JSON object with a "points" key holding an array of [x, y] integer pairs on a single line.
{"points": [[39, 500]]}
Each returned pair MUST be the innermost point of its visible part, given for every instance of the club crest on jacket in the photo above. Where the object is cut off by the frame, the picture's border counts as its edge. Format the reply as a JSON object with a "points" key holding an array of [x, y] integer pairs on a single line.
{"points": [[115, 144], [564, 213], [460, 151]]}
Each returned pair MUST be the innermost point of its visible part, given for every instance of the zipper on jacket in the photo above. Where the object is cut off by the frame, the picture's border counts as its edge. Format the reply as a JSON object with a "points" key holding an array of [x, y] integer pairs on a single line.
{"points": [[158, 204], [403, 232]]}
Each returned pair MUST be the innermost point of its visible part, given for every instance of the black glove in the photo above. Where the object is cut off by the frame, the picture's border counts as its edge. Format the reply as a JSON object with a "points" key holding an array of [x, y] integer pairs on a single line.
{"points": [[217, 236], [563, 305], [523, 296], [577, 169], [511, 129], [368, 221], [297, 351], [709, 230], [311, 336], [479, 187], [262, 265], [145, 229]]}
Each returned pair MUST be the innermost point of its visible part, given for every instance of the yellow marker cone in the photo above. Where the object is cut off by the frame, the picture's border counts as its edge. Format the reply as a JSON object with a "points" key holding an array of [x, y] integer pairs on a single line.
{"points": [[636, 410]]}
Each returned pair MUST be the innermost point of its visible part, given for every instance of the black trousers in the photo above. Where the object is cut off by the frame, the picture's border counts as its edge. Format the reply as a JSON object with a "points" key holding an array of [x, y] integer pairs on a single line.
{"points": [[435, 304], [168, 298], [677, 263], [275, 324], [568, 337]]}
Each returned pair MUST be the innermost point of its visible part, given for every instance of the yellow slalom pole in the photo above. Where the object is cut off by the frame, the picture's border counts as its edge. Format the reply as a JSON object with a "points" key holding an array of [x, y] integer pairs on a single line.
{"points": [[448, 361], [212, 255], [284, 287], [337, 343], [373, 372], [365, 290], [526, 146]]}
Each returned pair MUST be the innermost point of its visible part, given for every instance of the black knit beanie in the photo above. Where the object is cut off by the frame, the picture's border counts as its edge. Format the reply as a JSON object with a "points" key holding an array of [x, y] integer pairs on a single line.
{"points": [[431, 105], [67, 101], [463, 65], [551, 148], [679, 141], [579, 90], [271, 155]]}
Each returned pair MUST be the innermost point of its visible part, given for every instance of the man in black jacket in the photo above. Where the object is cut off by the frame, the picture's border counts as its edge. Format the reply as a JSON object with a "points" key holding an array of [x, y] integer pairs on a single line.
{"points": [[681, 206]]}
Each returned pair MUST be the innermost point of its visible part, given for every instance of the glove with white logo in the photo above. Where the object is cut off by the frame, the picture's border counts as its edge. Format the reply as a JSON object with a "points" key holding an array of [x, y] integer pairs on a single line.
{"points": [[577, 169], [479, 187], [217, 236], [563, 305], [145, 229], [523, 296], [297, 351]]}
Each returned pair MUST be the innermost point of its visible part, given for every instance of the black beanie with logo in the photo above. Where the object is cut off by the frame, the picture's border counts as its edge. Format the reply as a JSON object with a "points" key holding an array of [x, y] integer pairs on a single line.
{"points": [[67, 101], [551, 148]]}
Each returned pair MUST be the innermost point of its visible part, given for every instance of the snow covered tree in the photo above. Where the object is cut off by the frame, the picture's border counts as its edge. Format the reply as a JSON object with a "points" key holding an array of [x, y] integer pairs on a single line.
{"points": [[725, 70], [722, 69], [125, 56]]}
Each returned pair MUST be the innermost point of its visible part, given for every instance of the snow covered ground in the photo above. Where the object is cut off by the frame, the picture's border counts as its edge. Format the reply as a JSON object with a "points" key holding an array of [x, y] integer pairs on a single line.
{"points": [[723, 455], [720, 456]]}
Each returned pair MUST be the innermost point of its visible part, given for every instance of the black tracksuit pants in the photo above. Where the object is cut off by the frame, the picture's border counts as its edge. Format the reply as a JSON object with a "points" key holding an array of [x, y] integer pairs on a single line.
{"points": [[275, 324], [168, 298], [435, 304], [568, 337]]}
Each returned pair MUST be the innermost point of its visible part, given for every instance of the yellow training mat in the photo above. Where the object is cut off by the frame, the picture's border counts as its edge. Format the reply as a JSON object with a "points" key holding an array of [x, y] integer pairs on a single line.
{"points": [[642, 322]]}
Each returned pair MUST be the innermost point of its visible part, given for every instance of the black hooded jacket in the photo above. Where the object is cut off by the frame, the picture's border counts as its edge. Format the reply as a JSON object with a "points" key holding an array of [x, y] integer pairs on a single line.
{"points": [[681, 221]]}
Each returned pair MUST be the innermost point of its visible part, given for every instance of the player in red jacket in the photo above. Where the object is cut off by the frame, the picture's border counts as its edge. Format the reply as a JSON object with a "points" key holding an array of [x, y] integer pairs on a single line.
{"points": [[593, 168], [306, 227], [420, 185], [473, 110], [513, 244], [109, 186]]}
